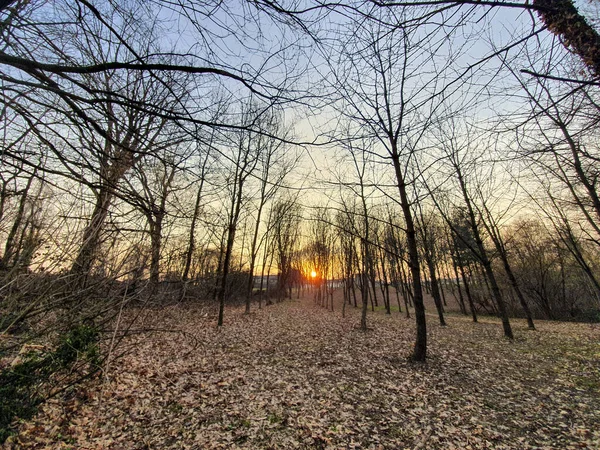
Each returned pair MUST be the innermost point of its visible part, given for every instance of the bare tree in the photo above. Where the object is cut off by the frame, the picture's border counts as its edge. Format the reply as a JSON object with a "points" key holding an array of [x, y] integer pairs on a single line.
{"points": [[286, 218], [191, 247], [275, 165], [377, 79], [150, 189], [457, 151], [428, 236]]}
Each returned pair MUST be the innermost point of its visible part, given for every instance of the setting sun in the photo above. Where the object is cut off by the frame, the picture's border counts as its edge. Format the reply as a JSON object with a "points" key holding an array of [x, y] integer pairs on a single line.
{"points": [[313, 274]]}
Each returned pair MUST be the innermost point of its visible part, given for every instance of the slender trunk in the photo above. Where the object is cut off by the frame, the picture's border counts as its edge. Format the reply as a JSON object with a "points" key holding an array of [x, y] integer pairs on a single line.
{"points": [[30, 240], [461, 299], [515, 285], [487, 265], [330, 291], [407, 291], [365, 301], [192, 235], [366, 261], [428, 256], [224, 275], [345, 291], [155, 244], [10, 248], [420, 349], [398, 299], [253, 255], [217, 280], [467, 288], [3, 198], [498, 298], [262, 272], [386, 296], [494, 233], [435, 292], [268, 290], [441, 286], [485, 281], [427, 287], [385, 290], [346, 300], [372, 280], [563, 285]]}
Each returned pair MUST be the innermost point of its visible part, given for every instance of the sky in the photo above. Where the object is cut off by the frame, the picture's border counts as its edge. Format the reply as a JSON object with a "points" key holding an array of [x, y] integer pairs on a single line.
{"points": [[303, 66]]}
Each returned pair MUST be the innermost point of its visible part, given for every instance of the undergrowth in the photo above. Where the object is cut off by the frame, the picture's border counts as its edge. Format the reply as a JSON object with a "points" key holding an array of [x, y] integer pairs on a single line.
{"points": [[22, 384]]}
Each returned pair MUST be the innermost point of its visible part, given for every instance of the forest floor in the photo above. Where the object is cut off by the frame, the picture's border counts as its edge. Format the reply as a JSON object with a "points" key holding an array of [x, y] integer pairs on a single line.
{"points": [[294, 375]]}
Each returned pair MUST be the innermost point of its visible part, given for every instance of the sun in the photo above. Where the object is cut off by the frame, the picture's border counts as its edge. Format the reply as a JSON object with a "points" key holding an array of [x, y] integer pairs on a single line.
{"points": [[313, 274]]}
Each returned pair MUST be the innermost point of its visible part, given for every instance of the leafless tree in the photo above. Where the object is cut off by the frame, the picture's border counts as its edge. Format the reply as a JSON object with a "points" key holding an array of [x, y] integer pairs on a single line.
{"points": [[275, 164], [286, 220], [389, 99], [459, 153], [429, 235]]}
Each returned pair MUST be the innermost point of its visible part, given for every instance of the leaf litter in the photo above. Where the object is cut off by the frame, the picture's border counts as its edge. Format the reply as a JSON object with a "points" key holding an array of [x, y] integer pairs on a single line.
{"points": [[296, 376]]}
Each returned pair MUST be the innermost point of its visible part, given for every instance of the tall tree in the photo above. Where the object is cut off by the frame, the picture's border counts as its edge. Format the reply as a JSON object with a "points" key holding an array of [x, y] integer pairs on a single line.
{"points": [[386, 98], [275, 163], [457, 150], [244, 158]]}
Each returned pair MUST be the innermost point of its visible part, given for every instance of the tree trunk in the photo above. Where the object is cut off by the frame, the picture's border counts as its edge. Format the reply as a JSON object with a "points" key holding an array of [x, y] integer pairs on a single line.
{"points": [[219, 271], [461, 300], [563, 20], [225, 273], [192, 238], [467, 289], [10, 249], [420, 349], [515, 285], [441, 286], [253, 255], [487, 265], [365, 301], [385, 289], [398, 297], [435, 292], [91, 235], [155, 245]]}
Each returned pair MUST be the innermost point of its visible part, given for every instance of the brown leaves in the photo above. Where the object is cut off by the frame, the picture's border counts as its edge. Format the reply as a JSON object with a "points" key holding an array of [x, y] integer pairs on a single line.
{"points": [[295, 376]]}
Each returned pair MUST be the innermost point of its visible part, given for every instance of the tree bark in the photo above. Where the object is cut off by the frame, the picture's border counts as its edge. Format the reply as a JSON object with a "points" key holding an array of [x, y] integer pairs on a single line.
{"points": [[420, 348], [467, 288], [91, 235], [155, 245], [563, 20]]}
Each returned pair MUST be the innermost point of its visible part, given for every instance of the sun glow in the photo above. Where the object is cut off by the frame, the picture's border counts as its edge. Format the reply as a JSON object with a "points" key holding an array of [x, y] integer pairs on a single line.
{"points": [[313, 274]]}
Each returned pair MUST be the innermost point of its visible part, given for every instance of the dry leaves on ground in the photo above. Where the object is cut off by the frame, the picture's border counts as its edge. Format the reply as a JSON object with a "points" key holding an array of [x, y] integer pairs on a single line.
{"points": [[295, 376]]}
